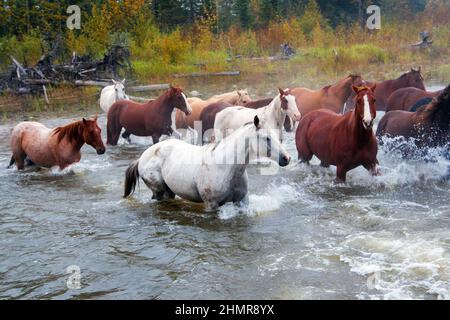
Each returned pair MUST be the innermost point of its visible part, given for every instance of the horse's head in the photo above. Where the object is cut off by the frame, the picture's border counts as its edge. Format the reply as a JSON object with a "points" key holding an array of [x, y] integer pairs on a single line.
{"points": [[92, 135], [355, 80], [415, 78], [119, 88], [266, 144], [365, 109], [243, 97], [178, 100], [289, 105]]}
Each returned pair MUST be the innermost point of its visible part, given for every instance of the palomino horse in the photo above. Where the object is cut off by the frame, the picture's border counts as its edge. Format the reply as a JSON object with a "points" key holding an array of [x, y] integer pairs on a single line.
{"points": [[111, 94], [153, 118], [208, 114], [45, 147], [330, 97], [406, 98], [213, 174], [235, 98], [346, 141], [384, 89], [429, 126], [272, 116]]}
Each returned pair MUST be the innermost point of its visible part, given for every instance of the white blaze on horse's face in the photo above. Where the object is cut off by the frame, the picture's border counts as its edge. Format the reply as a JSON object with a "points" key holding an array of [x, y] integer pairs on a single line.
{"points": [[292, 110], [188, 106], [367, 119], [120, 91]]}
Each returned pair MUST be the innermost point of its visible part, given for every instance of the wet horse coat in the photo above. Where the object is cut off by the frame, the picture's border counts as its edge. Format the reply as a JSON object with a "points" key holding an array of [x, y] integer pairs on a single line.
{"points": [[153, 118], [406, 98], [53, 147], [346, 141]]}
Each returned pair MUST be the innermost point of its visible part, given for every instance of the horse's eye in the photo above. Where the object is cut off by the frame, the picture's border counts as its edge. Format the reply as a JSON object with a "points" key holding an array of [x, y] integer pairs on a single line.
{"points": [[268, 139]]}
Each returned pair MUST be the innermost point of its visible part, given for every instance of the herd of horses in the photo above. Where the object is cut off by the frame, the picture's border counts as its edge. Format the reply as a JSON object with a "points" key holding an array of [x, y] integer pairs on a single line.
{"points": [[334, 123]]}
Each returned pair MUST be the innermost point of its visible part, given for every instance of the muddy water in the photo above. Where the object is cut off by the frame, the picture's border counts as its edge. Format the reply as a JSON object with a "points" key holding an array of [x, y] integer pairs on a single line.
{"points": [[303, 237]]}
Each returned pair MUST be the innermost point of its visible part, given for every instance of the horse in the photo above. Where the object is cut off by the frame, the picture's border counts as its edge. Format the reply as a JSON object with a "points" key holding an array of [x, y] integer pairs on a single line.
{"points": [[429, 126], [384, 89], [208, 114], [202, 173], [112, 93], [153, 118], [331, 97], [346, 141], [406, 98], [44, 147], [272, 116], [235, 98]]}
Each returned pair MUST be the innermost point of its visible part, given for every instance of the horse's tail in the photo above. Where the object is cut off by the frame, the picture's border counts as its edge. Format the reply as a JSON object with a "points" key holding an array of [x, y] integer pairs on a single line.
{"points": [[11, 162], [114, 127], [131, 178]]}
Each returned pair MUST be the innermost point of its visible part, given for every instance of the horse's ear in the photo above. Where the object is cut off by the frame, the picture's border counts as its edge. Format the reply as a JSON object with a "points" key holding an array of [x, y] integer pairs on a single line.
{"points": [[355, 89], [239, 93], [256, 122], [84, 121], [96, 117], [420, 69], [114, 81], [373, 87], [281, 91], [123, 81]]}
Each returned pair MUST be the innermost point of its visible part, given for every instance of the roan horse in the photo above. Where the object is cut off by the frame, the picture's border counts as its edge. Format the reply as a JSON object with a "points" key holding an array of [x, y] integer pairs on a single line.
{"points": [[202, 173], [45, 147], [346, 141], [406, 98], [182, 121], [272, 116], [331, 97], [153, 118], [112, 93], [208, 114], [429, 125], [384, 89]]}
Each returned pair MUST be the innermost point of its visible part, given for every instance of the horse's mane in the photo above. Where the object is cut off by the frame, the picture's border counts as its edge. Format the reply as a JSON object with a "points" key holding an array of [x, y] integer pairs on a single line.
{"points": [[438, 110], [326, 88], [72, 131]]}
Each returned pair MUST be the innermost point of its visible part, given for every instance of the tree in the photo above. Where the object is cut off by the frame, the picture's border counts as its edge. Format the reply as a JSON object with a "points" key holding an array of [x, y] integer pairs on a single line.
{"points": [[242, 10]]}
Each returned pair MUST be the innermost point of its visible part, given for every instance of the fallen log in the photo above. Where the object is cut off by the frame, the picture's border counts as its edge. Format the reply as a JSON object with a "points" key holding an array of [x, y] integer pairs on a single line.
{"points": [[208, 74]]}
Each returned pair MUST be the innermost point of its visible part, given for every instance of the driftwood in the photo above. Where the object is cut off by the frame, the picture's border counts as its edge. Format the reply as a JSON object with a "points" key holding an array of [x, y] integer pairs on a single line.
{"points": [[208, 74]]}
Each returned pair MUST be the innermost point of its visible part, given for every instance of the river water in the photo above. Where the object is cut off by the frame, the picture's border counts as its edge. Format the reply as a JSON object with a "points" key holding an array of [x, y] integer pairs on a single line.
{"points": [[303, 237]]}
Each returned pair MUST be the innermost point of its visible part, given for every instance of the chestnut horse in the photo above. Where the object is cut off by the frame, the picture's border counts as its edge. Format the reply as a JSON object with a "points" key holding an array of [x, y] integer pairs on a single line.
{"points": [[384, 89], [153, 118], [182, 121], [34, 142], [208, 114], [406, 98], [331, 97], [429, 126], [346, 141]]}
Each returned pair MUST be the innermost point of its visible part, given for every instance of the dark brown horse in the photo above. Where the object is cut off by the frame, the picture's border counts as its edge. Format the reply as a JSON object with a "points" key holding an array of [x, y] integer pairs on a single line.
{"points": [[406, 98], [384, 89], [429, 125], [45, 147], [346, 141], [330, 97], [153, 118]]}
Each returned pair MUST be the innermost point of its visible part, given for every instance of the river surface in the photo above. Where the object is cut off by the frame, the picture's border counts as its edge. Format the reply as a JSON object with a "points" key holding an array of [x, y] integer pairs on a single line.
{"points": [[303, 237]]}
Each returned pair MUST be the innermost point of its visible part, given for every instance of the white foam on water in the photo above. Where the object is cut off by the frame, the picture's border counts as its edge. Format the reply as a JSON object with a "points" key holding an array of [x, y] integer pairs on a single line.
{"points": [[407, 267]]}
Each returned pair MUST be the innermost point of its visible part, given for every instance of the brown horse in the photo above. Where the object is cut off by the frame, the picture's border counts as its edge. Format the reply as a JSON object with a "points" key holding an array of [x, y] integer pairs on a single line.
{"points": [[331, 97], [406, 98], [429, 126], [346, 141], [45, 147], [208, 114], [384, 89], [237, 97], [153, 118]]}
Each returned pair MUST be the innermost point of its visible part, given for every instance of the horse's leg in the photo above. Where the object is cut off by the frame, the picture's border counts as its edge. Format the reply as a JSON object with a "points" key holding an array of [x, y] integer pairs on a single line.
{"points": [[341, 174], [372, 168], [18, 156], [211, 206], [156, 138], [126, 135], [324, 165]]}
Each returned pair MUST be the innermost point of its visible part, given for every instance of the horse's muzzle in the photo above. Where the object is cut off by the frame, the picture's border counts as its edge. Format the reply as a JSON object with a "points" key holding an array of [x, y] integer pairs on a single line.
{"points": [[101, 151], [283, 161], [368, 126]]}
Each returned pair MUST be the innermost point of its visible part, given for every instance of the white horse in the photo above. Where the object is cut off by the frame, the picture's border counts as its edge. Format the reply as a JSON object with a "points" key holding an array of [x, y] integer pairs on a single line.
{"points": [[213, 174], [272, 116], [112, 93]]}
